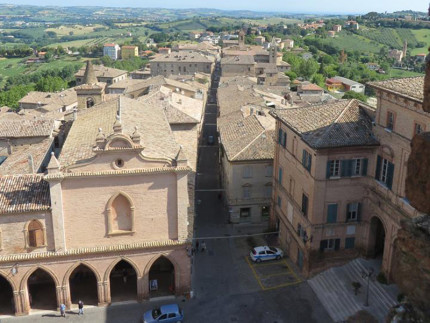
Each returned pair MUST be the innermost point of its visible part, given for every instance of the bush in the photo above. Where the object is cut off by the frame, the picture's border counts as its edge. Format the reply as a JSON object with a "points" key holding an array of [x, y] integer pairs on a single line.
{"points": [[381, 278]]}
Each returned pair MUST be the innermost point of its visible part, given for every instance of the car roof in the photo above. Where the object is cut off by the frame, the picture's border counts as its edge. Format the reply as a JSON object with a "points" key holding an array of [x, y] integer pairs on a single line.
{"points": [[261, 248], [170, 308]]}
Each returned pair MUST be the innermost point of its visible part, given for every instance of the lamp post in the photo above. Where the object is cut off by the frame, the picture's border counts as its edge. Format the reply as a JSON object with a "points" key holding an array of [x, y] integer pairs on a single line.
{"points": [[367, 274]]}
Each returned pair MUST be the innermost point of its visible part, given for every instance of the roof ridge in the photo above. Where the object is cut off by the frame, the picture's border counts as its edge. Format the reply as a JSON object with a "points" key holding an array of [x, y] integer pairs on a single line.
{"points": [[327, 131], [252, 141]]}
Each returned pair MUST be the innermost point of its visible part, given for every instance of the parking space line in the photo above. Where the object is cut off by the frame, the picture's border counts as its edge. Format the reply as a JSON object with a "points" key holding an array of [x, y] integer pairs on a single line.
{"points": [[282, 285], [294, 273], [255, 274], [269, 264], [277, 274]]}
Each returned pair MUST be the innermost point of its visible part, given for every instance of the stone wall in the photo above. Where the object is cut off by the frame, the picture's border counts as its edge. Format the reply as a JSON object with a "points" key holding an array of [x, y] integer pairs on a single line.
{"points": [[411, 267]]}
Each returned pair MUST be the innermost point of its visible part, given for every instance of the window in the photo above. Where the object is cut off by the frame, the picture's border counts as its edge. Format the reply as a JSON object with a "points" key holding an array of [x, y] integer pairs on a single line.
{"points": [[171, 315], [265, 211], [120, 212], [279, 201], [333, 168], [418, 128], [353, 211], [356, 167], [384, 171], [307, 160], [246, 190], [282, 138], [269, 171], [36, 234], [390, 120], [330, 244], [305, 202], [268, 190], [280, 173], [349, 243], [245, 212], [332, 213], [247, 172], [301, 232]]}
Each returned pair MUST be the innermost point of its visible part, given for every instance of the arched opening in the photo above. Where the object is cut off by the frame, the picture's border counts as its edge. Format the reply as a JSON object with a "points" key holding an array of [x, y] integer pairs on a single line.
{"points": [[7, 304], [83, 286], [36, 237], [377, 238], [42, 290], [121, 214], [161, 278], [123, 282], [90, 102]]}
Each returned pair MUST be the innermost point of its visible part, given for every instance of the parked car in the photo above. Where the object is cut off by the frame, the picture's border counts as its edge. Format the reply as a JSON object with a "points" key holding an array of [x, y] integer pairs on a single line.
{"points": [[263, 253], [171, 313], [211, 140]]}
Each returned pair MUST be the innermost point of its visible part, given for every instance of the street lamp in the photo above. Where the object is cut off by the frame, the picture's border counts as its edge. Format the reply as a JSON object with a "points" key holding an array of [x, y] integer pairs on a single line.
{"points": [[367, 274]]}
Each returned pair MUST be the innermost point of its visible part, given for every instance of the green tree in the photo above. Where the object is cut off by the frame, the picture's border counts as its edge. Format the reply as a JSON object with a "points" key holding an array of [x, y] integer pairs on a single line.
{"points": [[319, 79], [51, 84], [291, 75], [308, 68], [11, 97], [354, 95]]}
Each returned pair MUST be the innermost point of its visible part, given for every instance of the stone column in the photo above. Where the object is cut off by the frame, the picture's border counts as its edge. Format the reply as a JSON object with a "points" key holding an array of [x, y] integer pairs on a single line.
{"points": [[145, 287], [100, 294], [59, 293], [106, 285], [17, 303], [25, 302], [66, 296], [140, 289]]}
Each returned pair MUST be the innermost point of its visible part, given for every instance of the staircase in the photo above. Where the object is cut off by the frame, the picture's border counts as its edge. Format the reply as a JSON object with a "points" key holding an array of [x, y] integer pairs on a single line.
{"points": [[334, 289]]}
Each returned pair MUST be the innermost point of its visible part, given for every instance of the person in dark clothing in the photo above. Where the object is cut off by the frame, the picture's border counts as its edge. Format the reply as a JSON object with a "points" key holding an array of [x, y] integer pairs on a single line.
{"points": [[81, 307]]}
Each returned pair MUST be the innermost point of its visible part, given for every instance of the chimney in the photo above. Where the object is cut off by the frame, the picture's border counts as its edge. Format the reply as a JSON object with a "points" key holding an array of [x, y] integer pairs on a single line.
{"points": [[75, 114], [9, 148], [30, 164]]}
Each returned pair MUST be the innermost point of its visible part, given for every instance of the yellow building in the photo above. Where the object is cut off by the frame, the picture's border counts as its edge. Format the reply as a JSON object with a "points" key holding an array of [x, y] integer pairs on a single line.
{"points": [[129, 52]]}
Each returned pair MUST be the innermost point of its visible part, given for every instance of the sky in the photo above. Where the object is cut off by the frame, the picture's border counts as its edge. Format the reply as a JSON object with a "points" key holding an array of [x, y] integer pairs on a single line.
{"points": [[294, 6]]}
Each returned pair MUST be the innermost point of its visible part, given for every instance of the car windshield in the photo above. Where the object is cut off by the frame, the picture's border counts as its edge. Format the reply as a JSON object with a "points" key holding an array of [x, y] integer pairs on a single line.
{"points": [[273, 249], [156, 313]]}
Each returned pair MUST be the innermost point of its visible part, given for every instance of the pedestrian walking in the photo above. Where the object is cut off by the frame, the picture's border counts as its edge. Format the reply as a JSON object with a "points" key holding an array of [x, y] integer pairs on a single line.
{"points": [[197, 246], [63, 310], [124, 276], [203, 244], [193, 251], [81, 307]]}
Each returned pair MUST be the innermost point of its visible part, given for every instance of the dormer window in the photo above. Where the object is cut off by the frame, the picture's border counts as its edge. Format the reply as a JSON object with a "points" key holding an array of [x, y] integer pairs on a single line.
{"points": [[119, 163]]}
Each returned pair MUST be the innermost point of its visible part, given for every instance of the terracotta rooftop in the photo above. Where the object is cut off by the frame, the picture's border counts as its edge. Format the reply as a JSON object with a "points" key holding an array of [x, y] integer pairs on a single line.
{"points": [[239, 60], [410, 87], [26, 128], [17, 161], [248, 138], [311, 87], [153, 126], [23, 193], [102, 71], [60, 99], [191, 57], [335, 124]]}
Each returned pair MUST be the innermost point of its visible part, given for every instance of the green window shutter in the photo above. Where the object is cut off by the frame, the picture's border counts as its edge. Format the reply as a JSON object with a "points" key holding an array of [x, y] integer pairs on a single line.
{"points": [[378, 167], [346, 168], [359, 212], [280, 175], [336, 244], [390, 174], [323, 245], [305, 202], [284, 140], [309, 162], [364, 167], [304, 157], [332, 213], [347, 209], [280, 136], [328, 169], [349, 243]]}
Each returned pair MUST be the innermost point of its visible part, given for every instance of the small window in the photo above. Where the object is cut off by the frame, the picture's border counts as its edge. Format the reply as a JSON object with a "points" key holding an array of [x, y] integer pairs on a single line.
{"points": [[332, 213], [418, 128], [305, 202], [246, 192], [334, 168], [247, 172], [352, 212], [349, 243], [356, 167], [265, 212], [119, 163], [307, 160], [245, 212], [280, 174], [269, 171], [35, 234], [279, 201], [390, 120], [330, 244], [268, 190], [384, 171]]}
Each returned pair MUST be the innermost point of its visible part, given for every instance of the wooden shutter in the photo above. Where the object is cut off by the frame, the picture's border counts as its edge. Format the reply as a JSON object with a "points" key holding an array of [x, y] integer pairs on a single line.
{"points": [[347, 212], [39, 237], [280, 136], [323, 245], [390, 174], [280, 175], [284, 140], [332, 213], [378, 167], [364, 167], [304, 157], [328, 169], [32, 238], [336, 244], [346, 168], [309, 162], [349, 243]]}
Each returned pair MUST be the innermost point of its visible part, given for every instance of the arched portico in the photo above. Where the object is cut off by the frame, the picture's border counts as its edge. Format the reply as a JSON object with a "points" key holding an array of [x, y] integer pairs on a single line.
{"points": [[165, 272], [83, 282], [8, 296], [121, 281]]}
